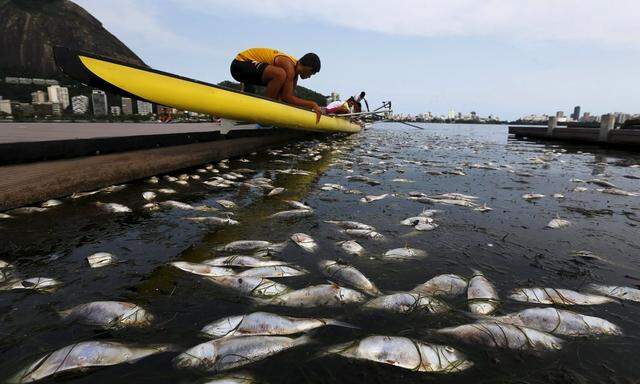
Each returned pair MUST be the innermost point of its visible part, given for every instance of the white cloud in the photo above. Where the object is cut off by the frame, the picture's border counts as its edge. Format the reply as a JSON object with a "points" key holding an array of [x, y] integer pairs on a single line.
{"points": [[600, 22]]}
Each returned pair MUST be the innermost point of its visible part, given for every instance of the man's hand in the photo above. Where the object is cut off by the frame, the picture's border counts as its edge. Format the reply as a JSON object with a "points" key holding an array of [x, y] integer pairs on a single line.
{"points": [[318, 112]]}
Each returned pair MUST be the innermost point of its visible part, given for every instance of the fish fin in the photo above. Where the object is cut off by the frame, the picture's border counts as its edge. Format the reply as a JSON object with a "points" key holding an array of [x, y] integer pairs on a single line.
{"points": [[302, 340], [339, 323]]}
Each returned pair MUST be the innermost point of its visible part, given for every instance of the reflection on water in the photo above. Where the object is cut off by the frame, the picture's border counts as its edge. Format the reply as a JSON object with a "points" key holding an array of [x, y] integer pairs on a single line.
{"points": [[509, 244]]}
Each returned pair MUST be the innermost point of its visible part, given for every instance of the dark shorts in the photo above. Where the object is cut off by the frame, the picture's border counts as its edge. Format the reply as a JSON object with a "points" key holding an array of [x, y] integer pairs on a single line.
{"points": [[248, 72]]}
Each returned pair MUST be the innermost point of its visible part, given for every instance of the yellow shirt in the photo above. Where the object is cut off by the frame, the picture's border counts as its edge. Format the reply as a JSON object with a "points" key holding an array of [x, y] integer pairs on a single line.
{"points": [[263, 55]]}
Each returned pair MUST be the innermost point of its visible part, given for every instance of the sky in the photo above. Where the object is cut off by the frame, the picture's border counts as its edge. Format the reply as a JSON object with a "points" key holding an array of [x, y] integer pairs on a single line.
{"points": [[503, 57]]}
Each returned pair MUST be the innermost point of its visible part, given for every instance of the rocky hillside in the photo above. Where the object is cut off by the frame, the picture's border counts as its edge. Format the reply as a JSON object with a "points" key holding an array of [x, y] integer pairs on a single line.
{"points": [[29, 29]]}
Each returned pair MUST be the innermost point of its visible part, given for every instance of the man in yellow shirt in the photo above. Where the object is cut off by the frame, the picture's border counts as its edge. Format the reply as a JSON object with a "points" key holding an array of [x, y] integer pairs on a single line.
{"points": [[277, 71]]}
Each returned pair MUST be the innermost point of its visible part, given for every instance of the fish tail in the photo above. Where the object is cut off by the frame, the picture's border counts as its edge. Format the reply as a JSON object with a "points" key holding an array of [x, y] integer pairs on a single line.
{"points": [[339, 323], [302, 340]]}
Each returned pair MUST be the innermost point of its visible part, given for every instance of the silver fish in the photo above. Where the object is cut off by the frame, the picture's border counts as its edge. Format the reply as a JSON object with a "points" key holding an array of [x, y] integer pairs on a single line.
{"points": [[43, 284], [426, 227], [560, 322], [51, 203], [213, 220], [623, 293], [228, 204], [364, 233], [499, 335], [27, 210], [109, 314], [616, 191], [264, 323], [242, 261], [558, 223], [372, 198], [405, 353], [233, 378], [348, 275], [532, 196], [185, 206], [351, 225], [405, 302], [430, 200], [351, 247], [114, 207], [274, 271], [5, 216], [113, 188], [153, 180], [298, 205], [404, 253], [482, 295], [149, 195], [557, 296], [251, 286], [202, 269], [253, 245], [416, 220], [77, 195], [276, 191], [229, 353], [167, 191], [292, 213], [602, 183], [448, 285], [101, 259], [84, 355], [305, 242], [324, 295]]}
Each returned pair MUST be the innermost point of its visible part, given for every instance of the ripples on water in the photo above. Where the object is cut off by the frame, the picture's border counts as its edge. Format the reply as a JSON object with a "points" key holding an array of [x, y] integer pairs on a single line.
{"points": [[509, 244]]}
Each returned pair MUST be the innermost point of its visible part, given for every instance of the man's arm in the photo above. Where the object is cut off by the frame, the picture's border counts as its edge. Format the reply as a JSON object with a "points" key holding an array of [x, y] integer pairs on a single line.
{"points": [[289, 86]]}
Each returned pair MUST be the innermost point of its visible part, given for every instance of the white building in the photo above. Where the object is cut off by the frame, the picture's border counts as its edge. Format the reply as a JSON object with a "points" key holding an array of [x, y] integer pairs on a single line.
{"points": [[80, 104], [127, 106], [144, 108], [99, 101], [38, 97], [115, 111], [58, 94], [5, 106]]}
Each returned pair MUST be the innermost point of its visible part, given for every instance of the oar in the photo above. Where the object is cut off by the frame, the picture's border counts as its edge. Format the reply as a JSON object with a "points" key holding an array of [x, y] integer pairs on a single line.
{"points": [[411, 125]]}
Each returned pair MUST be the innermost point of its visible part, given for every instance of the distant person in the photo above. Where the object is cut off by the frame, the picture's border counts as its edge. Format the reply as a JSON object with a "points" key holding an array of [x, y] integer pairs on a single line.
{"points": [[277, 71], [339, 107]]}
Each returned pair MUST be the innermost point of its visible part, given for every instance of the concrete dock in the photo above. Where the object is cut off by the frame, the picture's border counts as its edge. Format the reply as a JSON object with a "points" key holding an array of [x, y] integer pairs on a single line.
{"points": [[606, 135], [41, 161]]}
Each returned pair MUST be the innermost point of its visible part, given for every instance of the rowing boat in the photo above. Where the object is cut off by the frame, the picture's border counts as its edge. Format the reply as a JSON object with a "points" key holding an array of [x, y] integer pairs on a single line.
{"points": [[174, 91]]}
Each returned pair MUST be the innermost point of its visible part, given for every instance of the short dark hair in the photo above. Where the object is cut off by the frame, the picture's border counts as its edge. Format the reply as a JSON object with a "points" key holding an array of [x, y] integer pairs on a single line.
{"points": [[311, 60]]}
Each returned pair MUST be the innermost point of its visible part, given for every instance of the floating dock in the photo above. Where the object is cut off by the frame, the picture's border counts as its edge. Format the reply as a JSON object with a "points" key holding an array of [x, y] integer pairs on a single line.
{"points": [[606, 135], [41, 161]]}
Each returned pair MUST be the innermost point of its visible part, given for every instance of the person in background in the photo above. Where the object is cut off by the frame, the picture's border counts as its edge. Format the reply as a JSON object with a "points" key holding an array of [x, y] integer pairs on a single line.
{"points": [[277, 71]]}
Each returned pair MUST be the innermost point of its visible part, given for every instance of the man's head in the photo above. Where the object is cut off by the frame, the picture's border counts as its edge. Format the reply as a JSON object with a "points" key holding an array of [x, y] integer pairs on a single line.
{"points": [[308, 65]]}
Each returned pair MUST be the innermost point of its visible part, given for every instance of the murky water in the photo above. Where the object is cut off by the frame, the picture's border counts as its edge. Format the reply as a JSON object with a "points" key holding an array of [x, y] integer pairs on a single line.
{"points": [[509, 244]]}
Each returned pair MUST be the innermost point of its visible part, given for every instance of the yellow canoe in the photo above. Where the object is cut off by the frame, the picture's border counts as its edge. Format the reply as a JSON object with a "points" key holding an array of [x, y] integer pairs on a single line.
{"points": [[191, 95]]}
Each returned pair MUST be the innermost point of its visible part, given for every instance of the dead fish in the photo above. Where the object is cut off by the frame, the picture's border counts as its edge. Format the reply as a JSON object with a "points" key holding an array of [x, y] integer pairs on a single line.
{"points": [[429, 212], [253, 245], [454, 196], [251, 286], [5, 216], [243, 261], [202, 269], [27, 210], [149, 195], [405, 353], [508, 336], [153, 180], [447, 285], [305, 242], [602, 183], [401, 180], [483, 208], [228, 353], [167, 191], [101, 259], [557, 296], [372, 198], [580, 189], [292, 213], [481, 295], [363, 233], [558, 223], [113, 188], [44, 284], [426, 227], [185, 206], [298, 205], [276, 191], [558, 196], [623, 293], [233, 378], [228, 204], [350, 225], [532, 196], [363, 179], [84, 355], [351, 247], [274, 271], [109, 314], [462, 203], [331, 187], [619, 192], [348, 275], [405, 302], [416, 220], [78, 195], [560, 322], [51, 203], [151, 206], [404, 253], [114, 207], [213, 220], [181, 182], [324, 295], [265, 324]]}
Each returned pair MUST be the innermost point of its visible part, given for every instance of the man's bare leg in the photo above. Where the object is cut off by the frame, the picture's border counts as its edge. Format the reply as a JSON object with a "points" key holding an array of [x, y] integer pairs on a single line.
{"points": [[274, 77]]}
